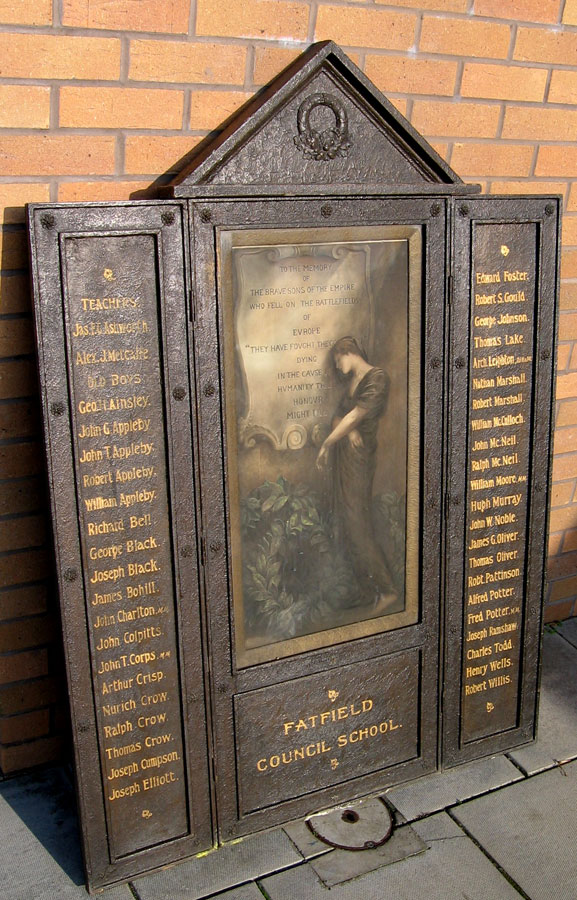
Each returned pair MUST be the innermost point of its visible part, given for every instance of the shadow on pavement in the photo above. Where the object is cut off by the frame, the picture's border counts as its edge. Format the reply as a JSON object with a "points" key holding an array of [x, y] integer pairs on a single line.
{"points": [[45, 803]]}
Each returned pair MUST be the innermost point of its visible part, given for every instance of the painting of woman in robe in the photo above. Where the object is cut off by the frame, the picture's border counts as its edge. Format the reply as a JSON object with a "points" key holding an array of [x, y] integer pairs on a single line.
{"points": [[322, 407], [352, 444]]}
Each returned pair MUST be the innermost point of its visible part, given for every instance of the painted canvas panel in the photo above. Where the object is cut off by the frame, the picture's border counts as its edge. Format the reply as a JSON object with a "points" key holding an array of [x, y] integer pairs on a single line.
{"points": [[322, 368]]}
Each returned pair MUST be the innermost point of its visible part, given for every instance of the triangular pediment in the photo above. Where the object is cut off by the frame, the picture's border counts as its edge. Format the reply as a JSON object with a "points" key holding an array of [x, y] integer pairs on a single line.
{"points": [[320, 122]]}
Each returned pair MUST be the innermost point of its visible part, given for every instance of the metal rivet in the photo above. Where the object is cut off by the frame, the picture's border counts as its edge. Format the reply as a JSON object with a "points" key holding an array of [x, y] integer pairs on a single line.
{"points": [[57, 408], [205, 215], [215, 546], [545, 354], [70, 574], [435, 209], [167, 218], [179, 393], [460, 363], [326, 211], [435, 363], [549, 209], [209, 389], [464, 209], [47, 221], [186, 551], [370, 845]]}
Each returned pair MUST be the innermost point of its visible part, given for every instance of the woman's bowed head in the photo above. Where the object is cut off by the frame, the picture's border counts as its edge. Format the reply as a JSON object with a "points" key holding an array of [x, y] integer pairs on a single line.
{"points": [[354, 441], [351, 363]]}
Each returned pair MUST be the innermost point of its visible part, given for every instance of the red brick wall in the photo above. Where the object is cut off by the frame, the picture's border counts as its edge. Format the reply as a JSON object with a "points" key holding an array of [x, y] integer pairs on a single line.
{"points": [[98, 97]]}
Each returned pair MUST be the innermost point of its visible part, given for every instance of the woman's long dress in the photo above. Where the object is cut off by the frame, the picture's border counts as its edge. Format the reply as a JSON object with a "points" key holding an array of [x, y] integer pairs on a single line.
{"points": [[354, 470]]}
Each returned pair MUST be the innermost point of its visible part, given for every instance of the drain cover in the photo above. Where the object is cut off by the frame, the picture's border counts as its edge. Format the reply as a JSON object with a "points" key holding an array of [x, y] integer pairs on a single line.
{"points": [[361, 825]]}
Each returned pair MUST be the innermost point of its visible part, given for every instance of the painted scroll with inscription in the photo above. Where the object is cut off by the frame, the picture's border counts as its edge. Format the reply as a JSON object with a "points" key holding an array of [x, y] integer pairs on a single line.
{"points": [[322, 361]]}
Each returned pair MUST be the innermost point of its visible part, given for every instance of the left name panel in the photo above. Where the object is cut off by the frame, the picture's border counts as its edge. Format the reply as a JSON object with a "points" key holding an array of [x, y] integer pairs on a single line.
{"points": [[117, 311], [121, 477]]}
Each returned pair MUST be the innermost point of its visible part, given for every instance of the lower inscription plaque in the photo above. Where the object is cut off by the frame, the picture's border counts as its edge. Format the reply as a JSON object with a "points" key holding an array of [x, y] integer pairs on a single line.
{"points": [[120, 461], [326, 729]]}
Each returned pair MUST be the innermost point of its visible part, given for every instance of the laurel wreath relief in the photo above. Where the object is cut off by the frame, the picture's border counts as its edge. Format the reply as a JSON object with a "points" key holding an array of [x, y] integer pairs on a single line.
{"points": [[328, 143]]}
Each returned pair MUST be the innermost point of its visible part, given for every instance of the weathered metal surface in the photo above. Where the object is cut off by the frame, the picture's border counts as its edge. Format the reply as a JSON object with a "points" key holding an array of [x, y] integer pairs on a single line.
{"points": [[503, 328], [501, 369], [362, 825], [111, 321], [321, 121], [109, 288], [268, 144], [298, 737], [319, 157], [236, 725]]}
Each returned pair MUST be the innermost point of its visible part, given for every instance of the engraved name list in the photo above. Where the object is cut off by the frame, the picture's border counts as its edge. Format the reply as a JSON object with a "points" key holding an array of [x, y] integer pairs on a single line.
{"points": [[121, 472], [500, 396]]}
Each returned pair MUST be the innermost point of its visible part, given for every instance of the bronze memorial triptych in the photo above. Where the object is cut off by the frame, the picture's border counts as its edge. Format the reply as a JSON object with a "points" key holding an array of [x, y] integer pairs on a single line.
{"points": [[298, 424]]}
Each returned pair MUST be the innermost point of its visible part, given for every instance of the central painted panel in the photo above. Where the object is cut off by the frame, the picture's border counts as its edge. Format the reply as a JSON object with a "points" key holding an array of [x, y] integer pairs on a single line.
{"points": [[322, 397]]}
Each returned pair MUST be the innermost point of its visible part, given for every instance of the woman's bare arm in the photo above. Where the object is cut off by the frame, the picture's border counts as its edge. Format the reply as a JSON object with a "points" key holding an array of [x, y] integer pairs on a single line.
{"points": [[347, 424]]}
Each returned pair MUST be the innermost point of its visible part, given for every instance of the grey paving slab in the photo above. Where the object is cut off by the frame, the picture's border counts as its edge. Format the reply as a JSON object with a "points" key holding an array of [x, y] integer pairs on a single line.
{"points": [[39, 841], [228, 867], [568, 630], [439, 827], [529, 829], [452, 868], [246, 892], [343, 865], [435, 792], [304, 840], [557, 725]]}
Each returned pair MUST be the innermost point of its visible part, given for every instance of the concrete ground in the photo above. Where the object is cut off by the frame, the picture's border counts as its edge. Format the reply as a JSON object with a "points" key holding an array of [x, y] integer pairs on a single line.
{"points": [[497, 829]]}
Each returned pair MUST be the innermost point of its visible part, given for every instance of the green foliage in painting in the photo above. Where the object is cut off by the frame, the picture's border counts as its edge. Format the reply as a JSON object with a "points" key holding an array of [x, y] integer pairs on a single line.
{"points": [[295, 575]]}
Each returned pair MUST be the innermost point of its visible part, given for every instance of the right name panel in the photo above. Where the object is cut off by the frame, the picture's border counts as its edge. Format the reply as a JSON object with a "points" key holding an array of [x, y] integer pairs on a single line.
{"points": [[502, 326]]}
